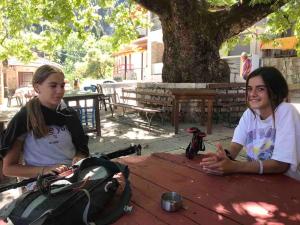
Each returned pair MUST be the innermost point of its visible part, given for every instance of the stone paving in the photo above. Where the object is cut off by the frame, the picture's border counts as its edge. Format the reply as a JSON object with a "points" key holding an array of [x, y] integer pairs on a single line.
{"points": [[119, 132]]}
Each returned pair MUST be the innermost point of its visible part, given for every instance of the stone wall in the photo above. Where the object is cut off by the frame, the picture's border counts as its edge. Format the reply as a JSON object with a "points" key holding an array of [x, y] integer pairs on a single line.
{"points": [[290, 68], [189, 111]]}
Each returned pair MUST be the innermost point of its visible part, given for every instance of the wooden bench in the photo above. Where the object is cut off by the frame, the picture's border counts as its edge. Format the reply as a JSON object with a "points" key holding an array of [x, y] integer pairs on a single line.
{"points": [[148, 101], [229, 102]]}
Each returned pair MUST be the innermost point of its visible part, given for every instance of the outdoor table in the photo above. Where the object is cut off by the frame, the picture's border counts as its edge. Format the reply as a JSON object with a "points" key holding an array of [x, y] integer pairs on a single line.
{"points": [[78, 96], [207, 199], [183, 94]]}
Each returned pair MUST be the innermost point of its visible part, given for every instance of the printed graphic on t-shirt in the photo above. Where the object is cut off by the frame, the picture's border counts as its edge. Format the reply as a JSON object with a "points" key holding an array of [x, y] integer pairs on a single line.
{"points": [[55, 133], [55, 148], [260, 143]]}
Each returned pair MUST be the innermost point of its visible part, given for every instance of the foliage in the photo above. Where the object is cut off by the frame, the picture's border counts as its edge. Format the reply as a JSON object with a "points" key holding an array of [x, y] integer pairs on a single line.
{"points": [[29, 27], [98, 60], [283, 22], [74, 50], [86, 58], [229, 45], [221, 2], [126, 18]]}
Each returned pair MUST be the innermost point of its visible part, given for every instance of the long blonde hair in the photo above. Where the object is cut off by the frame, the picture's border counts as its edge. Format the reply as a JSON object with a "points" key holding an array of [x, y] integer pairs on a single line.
{"points": [[35, 119]]}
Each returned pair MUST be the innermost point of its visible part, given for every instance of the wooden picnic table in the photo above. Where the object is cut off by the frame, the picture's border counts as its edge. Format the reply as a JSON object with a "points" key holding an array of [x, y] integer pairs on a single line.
{"points": [[207, 199], [207, 96]]}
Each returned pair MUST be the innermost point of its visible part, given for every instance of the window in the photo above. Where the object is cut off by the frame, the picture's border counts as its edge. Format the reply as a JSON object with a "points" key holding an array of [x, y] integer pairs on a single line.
{"points": [[25, 78]]}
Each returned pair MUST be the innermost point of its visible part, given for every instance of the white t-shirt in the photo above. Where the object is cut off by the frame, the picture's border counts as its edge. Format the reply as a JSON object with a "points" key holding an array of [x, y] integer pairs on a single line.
{"points": [[263, 140], [55, 148]]}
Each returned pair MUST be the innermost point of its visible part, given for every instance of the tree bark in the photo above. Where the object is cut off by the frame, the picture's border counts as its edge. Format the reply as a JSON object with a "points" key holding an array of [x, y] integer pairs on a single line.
{"points": [[193, 35], [190, 54]]}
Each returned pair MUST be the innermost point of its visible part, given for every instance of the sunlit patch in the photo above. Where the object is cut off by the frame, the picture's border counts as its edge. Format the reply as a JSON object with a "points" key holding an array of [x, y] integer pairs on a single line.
{"points": [[256, 209], [136, 159], [137, 134], [220, 217], [283, 214], [295, 217], [221, 209]]}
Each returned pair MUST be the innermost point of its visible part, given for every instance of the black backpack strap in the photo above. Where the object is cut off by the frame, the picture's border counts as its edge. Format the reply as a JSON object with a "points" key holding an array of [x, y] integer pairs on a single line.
{"points": [[122, 205]]}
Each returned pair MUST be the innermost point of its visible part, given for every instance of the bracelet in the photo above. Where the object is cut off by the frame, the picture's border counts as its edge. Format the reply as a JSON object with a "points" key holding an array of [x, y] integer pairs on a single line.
{"points": [[261, 167], [229, 155]]}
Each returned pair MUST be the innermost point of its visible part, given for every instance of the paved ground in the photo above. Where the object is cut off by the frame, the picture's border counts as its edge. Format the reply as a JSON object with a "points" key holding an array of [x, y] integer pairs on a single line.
{"points": [[119, 132]]}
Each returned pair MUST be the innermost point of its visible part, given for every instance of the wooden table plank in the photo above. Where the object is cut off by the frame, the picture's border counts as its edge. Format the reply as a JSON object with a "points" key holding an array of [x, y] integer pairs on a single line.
{"points": [[247, 199], [235, 199], [137, 217], [191, 214]]}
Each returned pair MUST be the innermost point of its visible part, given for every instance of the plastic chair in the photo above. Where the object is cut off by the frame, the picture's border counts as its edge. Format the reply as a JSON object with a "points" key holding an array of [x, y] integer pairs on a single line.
{"points": [[104, 98], [10, 93]]}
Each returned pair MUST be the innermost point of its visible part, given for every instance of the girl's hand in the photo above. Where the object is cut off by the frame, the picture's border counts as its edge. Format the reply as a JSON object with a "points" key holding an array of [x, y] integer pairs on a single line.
{"points": [[57, 169], [220, 151], [77, 158], [218, 163], [212, 158]]}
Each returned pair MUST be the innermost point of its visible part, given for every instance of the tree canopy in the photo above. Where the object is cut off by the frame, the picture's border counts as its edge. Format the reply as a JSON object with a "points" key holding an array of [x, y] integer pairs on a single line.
{"points": [[32, 26], [193, 30]]}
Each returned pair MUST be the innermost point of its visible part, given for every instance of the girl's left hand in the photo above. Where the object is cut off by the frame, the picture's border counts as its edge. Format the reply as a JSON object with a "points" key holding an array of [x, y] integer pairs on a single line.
{"points": [[218, 163]]}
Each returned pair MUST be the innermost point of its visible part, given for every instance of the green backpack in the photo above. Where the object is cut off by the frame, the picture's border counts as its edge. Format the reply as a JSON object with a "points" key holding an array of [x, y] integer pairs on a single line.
{"points": [[90, 195]]}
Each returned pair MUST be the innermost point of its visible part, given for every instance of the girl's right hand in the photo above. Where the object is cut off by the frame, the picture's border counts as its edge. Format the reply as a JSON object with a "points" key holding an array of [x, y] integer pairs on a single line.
{"points": [[57, 169]]}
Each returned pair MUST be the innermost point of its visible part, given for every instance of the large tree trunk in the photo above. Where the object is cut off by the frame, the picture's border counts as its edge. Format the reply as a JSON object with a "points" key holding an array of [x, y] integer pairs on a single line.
{"points": [[193, 32], [191, 54]]}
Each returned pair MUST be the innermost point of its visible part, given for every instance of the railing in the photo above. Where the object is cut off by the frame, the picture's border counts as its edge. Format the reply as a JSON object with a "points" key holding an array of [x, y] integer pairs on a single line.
{"points": [[132, 74]]}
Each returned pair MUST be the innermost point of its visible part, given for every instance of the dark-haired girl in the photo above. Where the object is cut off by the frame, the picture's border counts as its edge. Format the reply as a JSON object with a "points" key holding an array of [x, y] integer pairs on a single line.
{"points": [[46, 132], [269, 130]]}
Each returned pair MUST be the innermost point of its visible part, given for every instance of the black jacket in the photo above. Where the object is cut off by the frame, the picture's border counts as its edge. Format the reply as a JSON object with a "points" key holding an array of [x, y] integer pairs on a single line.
{"points": [[67, 116]]}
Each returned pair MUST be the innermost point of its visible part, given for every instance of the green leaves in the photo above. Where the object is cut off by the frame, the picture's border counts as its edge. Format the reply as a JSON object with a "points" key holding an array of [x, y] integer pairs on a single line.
{"points": [[48, 22], [126, 18], [29, 26], [221, 2]]}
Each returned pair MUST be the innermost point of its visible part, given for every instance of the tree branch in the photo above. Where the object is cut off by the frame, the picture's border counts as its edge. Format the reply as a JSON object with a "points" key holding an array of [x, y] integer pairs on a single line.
{"points": [[159, 7], [242, 15]]}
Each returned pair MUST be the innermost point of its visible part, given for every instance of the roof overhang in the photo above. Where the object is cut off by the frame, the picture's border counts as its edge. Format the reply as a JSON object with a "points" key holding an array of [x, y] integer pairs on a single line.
{"points": [[138, 45]]}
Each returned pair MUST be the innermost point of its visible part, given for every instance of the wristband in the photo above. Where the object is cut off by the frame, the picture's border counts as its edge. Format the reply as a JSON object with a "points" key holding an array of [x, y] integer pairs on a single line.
{"points": [[229, 155], [261, 167]]}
